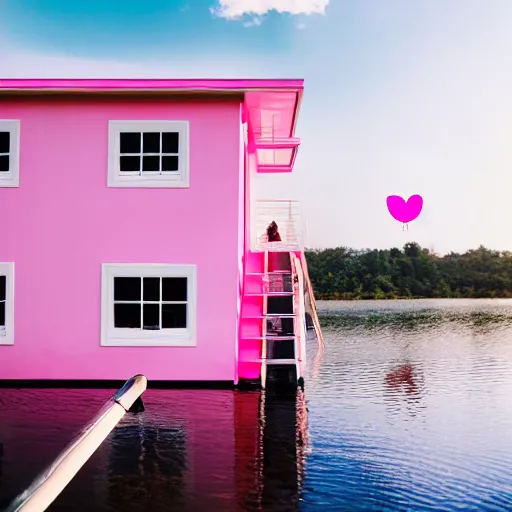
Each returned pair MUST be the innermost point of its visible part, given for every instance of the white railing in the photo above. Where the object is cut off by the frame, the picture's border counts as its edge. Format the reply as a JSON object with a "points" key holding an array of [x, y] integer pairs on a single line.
{"points": [[287, 215], [300, 320]]}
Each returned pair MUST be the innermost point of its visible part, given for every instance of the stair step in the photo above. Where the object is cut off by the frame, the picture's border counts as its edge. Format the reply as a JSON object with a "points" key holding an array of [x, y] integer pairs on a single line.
{"points": [[270, 294], [275, 361], [270, 338], [272, 272], [271, 315]]}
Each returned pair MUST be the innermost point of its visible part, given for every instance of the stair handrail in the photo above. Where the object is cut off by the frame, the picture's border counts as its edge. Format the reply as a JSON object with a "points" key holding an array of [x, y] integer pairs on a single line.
{"points": [[309, 287]]}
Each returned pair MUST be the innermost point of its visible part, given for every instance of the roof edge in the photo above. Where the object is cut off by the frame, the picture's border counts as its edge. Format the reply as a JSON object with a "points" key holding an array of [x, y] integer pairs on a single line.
{"points": [[147, 85]]}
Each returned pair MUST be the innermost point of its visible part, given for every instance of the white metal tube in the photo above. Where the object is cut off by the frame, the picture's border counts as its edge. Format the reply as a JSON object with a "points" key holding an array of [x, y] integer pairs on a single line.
{"points": [[43, 491]]}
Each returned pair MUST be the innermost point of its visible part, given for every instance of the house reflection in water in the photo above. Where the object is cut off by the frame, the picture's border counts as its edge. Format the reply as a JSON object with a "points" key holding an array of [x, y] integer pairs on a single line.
{"points": [[145, 463], [283, 445], [270, 459], [215, 451], [1, 457]]}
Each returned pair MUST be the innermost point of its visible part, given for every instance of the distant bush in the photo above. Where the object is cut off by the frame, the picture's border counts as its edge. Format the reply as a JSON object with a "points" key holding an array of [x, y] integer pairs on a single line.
{"points": [[346, 274]]}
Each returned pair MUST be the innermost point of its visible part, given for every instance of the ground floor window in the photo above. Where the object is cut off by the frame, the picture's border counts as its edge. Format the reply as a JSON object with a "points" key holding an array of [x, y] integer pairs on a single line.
{"points": [[148, 305], [6, 303]]}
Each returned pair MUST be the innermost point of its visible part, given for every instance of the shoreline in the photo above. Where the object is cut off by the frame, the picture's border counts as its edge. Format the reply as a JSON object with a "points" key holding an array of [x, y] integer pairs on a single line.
{"points": [[366, 299]]}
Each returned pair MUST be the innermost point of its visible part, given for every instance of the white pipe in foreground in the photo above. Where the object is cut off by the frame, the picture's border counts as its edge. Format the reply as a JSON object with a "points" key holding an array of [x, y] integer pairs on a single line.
{"points": [[43, 491]]}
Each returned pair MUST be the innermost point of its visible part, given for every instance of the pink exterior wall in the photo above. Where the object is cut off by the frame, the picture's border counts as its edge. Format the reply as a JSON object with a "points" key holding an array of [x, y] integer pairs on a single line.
{"points": [[63, 222], [250, 349], [242, 183]]}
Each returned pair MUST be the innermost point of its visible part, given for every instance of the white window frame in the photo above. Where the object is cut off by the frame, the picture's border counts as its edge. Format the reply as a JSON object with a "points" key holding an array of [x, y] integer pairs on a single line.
{"points": [[179, 179], [7, 334], [12, 177], [125, 337]]}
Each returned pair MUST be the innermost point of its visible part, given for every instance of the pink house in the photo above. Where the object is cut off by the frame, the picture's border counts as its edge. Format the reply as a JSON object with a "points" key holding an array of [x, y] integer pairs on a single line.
{"points": [[135, 231]]}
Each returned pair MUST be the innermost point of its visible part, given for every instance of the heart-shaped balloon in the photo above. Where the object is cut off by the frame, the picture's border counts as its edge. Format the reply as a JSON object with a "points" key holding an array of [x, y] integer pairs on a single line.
{"points": [[402, 210]]}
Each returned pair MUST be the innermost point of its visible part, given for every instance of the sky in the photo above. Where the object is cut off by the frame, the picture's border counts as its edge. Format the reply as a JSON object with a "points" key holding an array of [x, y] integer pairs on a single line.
{"points": [[401, 97]]}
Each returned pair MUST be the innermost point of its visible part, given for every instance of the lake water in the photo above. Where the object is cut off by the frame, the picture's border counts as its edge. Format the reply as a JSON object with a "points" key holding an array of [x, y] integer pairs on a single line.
{"points": [[409, 408]]}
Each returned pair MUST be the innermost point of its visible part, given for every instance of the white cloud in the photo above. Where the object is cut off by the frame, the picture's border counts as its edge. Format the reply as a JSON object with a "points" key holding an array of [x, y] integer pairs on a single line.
{"points": [[235, 9]]}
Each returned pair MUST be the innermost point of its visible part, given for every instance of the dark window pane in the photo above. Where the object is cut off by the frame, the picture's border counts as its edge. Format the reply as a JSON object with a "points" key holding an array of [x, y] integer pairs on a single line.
{"points": [[174, 289], [130, 163], [2, 314], [151, 142], [5, 142], [127, 288], [170, 142], [150, 163], [151, 288], [151, 316], [170, 163], [127, 316], [4, 163], [174, 316], [130, 142], [3, 290]]}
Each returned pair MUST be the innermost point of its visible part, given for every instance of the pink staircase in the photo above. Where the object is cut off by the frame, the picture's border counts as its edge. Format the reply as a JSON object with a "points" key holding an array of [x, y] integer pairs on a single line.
{"points": [[272, 327]]}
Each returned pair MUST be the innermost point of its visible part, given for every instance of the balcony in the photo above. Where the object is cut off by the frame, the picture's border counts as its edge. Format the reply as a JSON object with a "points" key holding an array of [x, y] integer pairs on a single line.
{"points": [[276, 155], [289, 219]]}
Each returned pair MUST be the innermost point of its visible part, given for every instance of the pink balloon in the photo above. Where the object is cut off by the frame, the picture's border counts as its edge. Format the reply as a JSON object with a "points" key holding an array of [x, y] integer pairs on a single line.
{"points": [[405, 211]]}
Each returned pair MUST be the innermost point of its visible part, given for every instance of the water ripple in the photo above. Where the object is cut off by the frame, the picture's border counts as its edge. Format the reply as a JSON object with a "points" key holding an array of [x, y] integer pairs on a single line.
{"points": [[412, 407]]}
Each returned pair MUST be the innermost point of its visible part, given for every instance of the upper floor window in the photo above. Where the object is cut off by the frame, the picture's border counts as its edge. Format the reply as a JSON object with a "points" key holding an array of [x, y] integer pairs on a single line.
{"points": [[6, 303], [9, 153], [148, 154]]}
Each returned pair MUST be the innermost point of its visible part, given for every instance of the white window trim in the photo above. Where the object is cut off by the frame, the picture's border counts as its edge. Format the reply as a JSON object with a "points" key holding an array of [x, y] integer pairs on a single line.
{"points": [[119, 337], [11, 178], [181, 179], [7, 335]]}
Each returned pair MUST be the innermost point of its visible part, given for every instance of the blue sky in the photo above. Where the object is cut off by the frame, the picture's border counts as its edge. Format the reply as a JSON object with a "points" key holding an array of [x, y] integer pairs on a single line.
{"points": [[401, 97]]}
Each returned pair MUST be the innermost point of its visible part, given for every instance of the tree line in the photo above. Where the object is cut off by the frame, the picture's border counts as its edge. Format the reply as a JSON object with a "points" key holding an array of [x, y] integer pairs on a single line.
{"points": [[413, 272]]}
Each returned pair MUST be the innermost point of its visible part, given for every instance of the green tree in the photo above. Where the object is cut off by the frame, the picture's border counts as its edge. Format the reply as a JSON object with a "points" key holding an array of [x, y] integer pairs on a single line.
{"points": [[345, 273]]}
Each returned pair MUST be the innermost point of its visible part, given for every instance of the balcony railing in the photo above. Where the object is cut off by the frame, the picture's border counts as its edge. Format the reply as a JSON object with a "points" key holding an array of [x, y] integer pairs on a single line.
{"points": [[289, 219]]}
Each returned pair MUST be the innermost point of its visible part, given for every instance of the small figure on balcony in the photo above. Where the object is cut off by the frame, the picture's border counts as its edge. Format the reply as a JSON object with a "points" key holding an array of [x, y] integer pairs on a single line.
{"points": [[273, 233]]}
